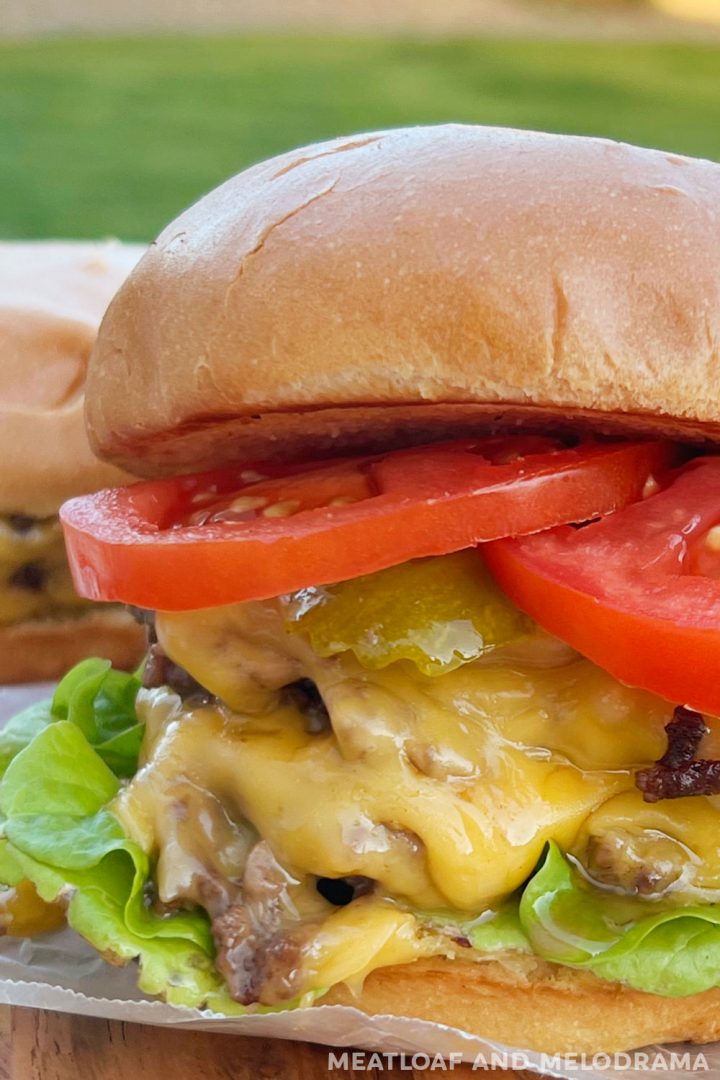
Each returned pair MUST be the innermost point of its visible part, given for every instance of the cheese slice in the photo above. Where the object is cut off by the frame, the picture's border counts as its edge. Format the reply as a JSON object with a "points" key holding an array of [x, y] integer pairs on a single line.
{"points": [[40, 546], [443, 790]]}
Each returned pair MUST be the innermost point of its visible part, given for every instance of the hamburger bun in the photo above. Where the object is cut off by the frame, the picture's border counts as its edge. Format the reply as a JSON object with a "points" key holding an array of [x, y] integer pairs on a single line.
{"points": [[42, 649], [535, 1005], [52, 298], [401, 286], [410, 285]]}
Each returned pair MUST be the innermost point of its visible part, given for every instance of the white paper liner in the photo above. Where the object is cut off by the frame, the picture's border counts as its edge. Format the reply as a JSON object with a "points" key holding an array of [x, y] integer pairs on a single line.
{"points": [[61, 972]]}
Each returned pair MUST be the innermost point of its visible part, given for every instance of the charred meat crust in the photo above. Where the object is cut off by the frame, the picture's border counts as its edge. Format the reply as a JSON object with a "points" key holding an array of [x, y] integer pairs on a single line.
{"points": [[695, 778], [258, 954], [678, 773]]}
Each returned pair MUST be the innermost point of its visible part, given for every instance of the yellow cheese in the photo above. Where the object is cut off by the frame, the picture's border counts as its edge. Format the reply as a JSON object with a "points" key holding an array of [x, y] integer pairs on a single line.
{"points": [[42, 546], [668, 848], [355, 940], [443, 790]]}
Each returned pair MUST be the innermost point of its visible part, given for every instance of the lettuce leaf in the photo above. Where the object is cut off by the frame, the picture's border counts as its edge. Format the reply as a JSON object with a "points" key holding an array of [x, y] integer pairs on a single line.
{"points": [[666, 950], [59, 834], [62, 760], [100, 701], [503, 930], [495, 930], [21, 730]]}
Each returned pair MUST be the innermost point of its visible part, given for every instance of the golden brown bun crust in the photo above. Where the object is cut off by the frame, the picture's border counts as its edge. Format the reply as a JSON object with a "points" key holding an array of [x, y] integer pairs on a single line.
{"points": [[46, 649], [52, 297], [547, 1008], [446, 265]]}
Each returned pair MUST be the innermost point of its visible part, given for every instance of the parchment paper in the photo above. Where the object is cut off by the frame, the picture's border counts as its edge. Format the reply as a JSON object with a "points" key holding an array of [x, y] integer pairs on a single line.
{"points": [[59, 971]]}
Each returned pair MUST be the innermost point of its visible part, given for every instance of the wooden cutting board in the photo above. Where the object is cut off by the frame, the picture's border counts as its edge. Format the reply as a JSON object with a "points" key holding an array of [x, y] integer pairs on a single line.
{"points": [[38, 1045]]}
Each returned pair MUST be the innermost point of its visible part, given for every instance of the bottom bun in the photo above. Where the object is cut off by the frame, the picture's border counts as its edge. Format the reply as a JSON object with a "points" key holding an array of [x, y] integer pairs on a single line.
{"points": [[534, 1005], [46, 649]]}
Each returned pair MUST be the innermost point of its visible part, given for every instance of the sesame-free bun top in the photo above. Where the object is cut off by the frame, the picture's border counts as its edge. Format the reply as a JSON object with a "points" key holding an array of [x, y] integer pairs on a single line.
{"points": [[410, 284], [52, 298]]}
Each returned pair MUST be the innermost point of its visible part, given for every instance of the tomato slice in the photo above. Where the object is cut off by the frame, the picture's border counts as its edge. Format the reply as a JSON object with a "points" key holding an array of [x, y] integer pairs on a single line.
{"points": [[248, 534], [637, 592]]}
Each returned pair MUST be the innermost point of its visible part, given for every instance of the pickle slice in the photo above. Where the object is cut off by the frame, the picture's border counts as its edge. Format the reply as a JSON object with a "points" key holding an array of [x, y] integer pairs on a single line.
{"points": [[437, 612]]}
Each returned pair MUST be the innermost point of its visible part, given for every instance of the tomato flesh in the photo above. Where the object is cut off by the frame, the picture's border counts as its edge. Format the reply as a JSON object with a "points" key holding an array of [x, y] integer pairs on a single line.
{"points": [[219, 538], [637, 592]]}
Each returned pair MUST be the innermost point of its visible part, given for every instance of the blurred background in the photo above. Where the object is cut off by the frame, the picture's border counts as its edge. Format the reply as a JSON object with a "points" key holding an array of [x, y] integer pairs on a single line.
{"points": [[115, 114]]}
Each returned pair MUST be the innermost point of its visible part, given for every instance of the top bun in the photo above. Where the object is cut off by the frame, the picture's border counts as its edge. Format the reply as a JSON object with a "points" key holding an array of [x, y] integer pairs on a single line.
{"points": [[407, 284], [52, 297]]}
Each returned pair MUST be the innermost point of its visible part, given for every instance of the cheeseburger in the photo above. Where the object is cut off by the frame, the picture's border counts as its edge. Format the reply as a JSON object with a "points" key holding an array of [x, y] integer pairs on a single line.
{"points": [[428, 547], [52, 297]]}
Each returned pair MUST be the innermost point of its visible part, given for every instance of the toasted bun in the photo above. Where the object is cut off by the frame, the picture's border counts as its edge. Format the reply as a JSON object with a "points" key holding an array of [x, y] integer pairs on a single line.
{"points": [[52, 297], [405, 284], [46, 649], [535, 1005]]}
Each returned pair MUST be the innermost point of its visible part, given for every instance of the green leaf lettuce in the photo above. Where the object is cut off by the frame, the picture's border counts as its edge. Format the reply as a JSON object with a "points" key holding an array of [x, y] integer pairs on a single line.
{"points": [[60, 836], [63, 762], [98, 700], [666, 950]]}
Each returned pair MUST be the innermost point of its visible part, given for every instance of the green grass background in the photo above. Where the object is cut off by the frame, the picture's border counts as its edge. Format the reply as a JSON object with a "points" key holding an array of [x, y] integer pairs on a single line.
{"points": [[116, 137]]}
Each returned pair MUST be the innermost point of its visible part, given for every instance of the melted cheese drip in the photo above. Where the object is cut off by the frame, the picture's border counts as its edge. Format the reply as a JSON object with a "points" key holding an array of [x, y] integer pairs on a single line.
{"points": [[444, 790], [42, 544], [669, 848], [23, 913]]}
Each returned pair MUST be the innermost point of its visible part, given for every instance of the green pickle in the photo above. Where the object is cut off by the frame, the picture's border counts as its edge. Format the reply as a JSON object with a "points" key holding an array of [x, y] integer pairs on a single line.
{"points": [[438, 612]]}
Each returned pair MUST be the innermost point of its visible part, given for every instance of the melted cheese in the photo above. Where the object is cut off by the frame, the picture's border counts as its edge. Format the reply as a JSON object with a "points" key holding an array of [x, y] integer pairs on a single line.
{"points": [[669, 848], [444, 790], [363, 936], [43, 546], [23, 913]]}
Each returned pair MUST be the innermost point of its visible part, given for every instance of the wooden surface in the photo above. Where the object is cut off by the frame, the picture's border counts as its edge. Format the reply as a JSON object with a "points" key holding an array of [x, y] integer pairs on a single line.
{"points": [[55, 1046]]}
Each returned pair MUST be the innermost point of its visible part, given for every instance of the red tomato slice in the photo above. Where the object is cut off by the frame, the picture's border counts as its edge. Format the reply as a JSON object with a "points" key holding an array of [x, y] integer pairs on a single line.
{"points": [[637, 592], [212, 539]]}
